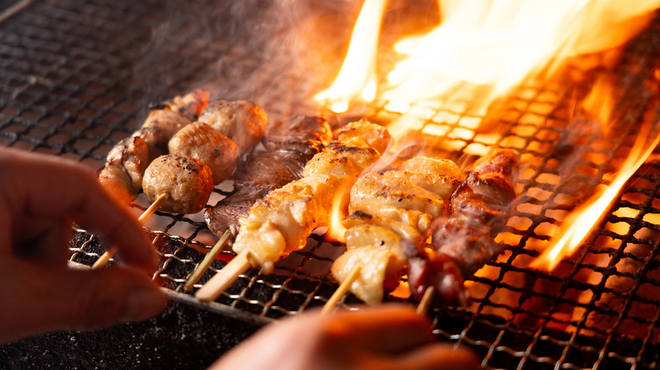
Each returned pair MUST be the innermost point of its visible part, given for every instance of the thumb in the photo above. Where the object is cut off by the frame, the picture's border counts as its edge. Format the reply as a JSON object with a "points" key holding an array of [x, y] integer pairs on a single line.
{"points": [[55, 298]]}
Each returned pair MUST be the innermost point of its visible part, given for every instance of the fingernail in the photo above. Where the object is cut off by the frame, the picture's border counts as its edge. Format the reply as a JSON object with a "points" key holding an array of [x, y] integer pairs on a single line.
{"points": [[143, 303]]}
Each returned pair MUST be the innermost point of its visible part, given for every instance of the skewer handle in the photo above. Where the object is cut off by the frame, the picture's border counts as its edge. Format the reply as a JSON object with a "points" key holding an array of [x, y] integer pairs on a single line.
{"points": [[425, 303], [341, 291], [206, 262], [143, 217], [224, 278]]}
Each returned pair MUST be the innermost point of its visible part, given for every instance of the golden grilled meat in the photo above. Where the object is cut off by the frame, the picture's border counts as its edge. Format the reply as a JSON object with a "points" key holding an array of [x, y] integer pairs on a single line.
{"points": [[281, 222], [241, 121], [391, 212], [125, 167], [198, 140], [187, 181], [128, 160]]}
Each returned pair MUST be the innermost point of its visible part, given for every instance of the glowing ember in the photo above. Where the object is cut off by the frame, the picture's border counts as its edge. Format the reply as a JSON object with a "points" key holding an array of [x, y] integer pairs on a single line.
{"points": [[580, 223]]}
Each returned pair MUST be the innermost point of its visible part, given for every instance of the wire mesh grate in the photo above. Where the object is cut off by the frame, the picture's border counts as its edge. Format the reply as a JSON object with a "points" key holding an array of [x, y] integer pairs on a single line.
{"points": [[78, 76]]}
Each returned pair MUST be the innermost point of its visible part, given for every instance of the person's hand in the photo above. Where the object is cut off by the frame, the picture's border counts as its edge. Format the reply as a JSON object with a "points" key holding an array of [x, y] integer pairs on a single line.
{"points": [[384, 337], [40, 197]]}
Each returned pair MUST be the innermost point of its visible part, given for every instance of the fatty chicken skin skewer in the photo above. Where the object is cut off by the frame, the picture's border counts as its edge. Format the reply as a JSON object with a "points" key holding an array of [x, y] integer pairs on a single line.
{"points": [[386, 222], [281, 222]]}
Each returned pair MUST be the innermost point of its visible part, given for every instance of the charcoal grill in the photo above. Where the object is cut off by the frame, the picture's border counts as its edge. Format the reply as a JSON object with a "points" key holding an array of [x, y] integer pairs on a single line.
{"points": [[78, 76]]}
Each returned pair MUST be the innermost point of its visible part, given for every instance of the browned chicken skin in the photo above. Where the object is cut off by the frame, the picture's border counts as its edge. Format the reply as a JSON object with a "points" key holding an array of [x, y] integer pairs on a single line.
{"points": [[198, 140], [241, 121], [390, 212], [128, 160], [187, 181]]}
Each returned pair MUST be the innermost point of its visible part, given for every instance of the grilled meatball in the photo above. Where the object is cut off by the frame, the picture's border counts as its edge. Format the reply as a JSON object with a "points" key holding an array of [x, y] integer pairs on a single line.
{"points": [[198, 140], [187, 181], [241, 121]]}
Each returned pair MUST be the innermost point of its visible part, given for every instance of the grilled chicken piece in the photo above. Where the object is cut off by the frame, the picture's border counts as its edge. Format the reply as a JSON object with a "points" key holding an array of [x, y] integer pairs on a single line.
{"points": [[392, 211], [265, 171], [463, 242], [128, 160], [198, 140], [281, 222], [303, 134], [241, 121], [377, 137], [187, 181], [371, 282], [125, 167]]}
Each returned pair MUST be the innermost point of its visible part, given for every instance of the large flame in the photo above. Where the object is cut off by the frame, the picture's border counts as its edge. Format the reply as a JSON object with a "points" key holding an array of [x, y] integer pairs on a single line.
{"points": [[481, 49], [581, 222]]}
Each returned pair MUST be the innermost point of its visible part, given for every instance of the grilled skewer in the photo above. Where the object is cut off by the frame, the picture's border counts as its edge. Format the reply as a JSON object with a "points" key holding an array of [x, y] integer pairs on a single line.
{"points": [[127, 161], [389, 213], [281, 222], [463, 242], [290, 144]]}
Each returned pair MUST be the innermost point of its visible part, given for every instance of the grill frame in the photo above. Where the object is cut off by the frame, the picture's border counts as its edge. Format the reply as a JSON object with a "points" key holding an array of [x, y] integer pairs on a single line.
{"points": [[62, 94]]}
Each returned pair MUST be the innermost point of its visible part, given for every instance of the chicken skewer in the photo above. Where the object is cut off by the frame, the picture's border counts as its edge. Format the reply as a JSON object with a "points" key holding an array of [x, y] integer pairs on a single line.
{"points": [[171, 127], [290, 144], [174, 183], [281, 222], [127, 161], [391, 212], [463, 242]]}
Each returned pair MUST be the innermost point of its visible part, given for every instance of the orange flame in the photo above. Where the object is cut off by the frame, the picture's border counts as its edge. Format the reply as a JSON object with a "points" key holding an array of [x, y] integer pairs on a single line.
{"points": [[481, 49], [357, 76], [582, 221], [338, 212]]}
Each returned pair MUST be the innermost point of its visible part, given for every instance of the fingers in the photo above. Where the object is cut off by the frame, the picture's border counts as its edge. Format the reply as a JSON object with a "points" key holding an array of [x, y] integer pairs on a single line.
{"points": [[384, 329], [50, 187], [58, 298], [435, 356]]}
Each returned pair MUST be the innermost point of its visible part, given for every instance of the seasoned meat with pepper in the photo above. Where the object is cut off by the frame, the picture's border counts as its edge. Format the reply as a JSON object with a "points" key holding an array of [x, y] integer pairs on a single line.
{"points": [[198, 140], [463, 241], [187, 181], [241, 121]]}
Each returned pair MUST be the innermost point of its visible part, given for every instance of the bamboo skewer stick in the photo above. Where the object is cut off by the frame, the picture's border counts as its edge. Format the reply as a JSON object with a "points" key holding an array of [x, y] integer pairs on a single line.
{"points": [[341, 291], [143, 217], [224, 278], [425, 303], [206, 262]]}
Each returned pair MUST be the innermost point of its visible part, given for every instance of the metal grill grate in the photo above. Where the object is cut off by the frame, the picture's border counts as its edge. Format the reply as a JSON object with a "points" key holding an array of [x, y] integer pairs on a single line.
{"points": [[77, 77]]}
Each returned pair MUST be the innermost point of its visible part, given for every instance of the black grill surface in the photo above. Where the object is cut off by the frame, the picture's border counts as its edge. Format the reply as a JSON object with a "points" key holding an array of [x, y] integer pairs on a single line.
{"points": [[78, 76]]}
